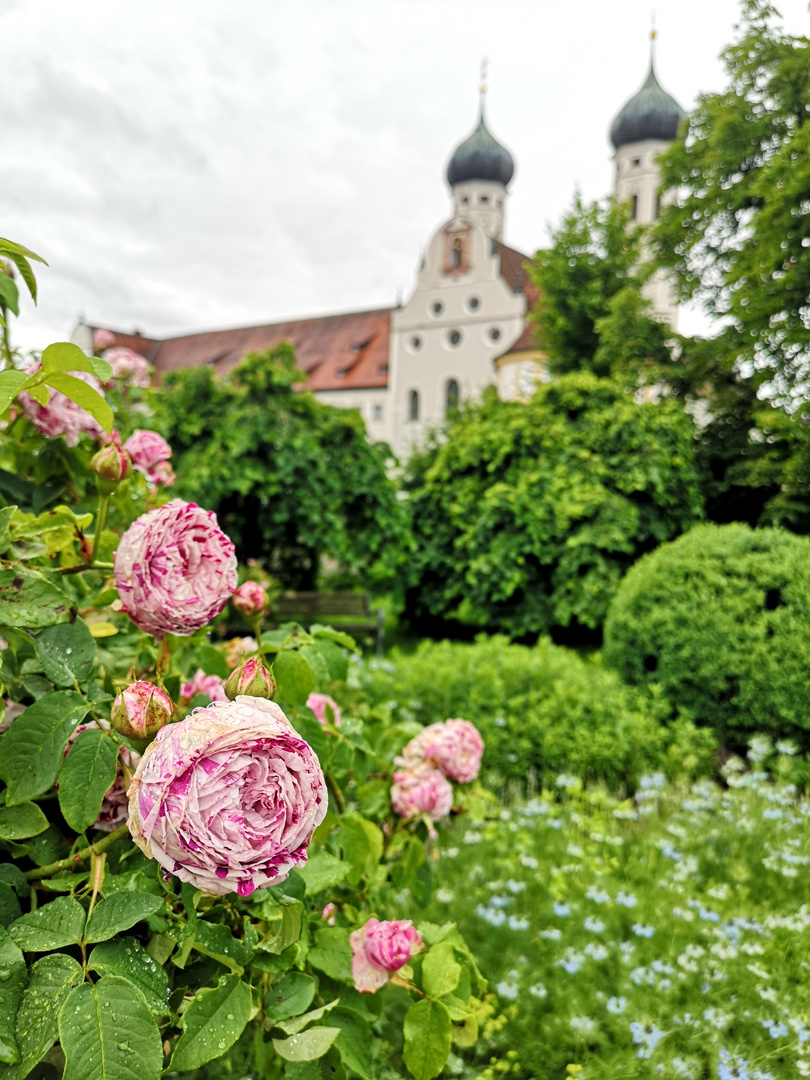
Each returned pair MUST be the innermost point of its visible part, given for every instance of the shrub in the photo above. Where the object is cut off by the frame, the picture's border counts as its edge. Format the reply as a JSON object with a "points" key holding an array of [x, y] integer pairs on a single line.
{"points": [[720, 619], [542, 711]]}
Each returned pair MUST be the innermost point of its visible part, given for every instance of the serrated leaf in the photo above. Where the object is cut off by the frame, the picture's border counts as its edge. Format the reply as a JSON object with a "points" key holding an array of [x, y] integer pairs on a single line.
{"points": [[11, 382], [84, 396], [338, 636], [67, 652], [57, 924], [440, 970], [10, 247], [288, 932], [332, 953], [119, 912], [29, 600], [294, 677], [127, 958], [428, 1032], [86, 775], [9, 294], [64, 356], [12, 964], [49, 982], [307, 1046], [354, 1042], [298, 1023], [336, 660], [108, 1033], [31, 750], [216, 940], [322, 871], [290, 996], [212, 1023], [361, 842], [21, 821]]}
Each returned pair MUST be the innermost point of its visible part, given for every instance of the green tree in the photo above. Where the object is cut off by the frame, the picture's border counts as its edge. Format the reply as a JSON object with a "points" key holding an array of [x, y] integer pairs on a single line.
{"points": [[737, 239], [529, 513], [291, 479]]}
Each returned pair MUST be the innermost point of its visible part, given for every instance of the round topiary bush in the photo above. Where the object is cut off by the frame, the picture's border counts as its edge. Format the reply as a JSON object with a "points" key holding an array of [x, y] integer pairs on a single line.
{"points": [[720, 619]]}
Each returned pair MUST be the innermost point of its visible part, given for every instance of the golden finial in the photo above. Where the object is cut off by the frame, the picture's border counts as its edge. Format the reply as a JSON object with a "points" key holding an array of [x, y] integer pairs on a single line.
{"points": [[482, 89]]}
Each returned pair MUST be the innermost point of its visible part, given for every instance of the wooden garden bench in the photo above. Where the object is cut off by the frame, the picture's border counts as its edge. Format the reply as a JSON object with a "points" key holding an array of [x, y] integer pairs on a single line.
{"points": [[344, 610]]}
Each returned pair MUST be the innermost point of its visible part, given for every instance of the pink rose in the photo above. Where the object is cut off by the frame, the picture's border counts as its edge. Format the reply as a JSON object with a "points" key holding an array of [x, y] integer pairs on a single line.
{"points": [[380, 948], [421, 790], [319, 703], [147, 448], [228, 798], [201, 683], [250, 599], [329, 913], [455, 747], [175, 569], [61, 416], [128, 365], [141, 710], [160, 475], [252, 679], [114, 804], [103, 339]]}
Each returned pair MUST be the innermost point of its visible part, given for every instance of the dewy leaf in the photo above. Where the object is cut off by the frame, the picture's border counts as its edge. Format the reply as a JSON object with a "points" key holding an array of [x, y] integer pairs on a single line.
{"points": [[307, 1046], [21, 821], [216, 940], [440, 971], [108, 1033], [31, 750], [212, 1023], [10, 383], [49, 982], [29, 600], [354, 1042], [57, 924], [86, 775], [67, 652], [12, 967], [322, 871], [294, 677], [290, 996], [127, 957], [119, 912], [428, 1032], [332, 953], [83, 395], [298, 1023]]}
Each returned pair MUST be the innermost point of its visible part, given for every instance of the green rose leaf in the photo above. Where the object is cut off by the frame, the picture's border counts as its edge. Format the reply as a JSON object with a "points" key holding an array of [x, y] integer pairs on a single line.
{"points": [[29, 600], [291, 996], [108, 1033], [288, 932], [294, 677], [119, 912], [440, 971], [361, 841], [86, 775], [67, 652], [323, 871], [31, 750], [49, 982], [332, 953], [6, 514], [18, 822], [336, 660], [12, 965], [298, 1023], [10, 909], [354, 1041], [65, 356], [127, 958], [428, 1032], [338, 636], [216, 940], [10, 383], [307, 1046], [57, 924], [212, 1023], [84, 396], [9, 294]]}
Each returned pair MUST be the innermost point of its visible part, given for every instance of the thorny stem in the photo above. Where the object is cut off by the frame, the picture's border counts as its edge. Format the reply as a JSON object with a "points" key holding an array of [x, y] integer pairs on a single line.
{"points": [[78, 856], [101, 519]]}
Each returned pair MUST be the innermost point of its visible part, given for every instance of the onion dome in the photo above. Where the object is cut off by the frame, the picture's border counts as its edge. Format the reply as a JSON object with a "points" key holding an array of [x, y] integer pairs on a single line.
{"points": [[652, 113], [480, 157]]}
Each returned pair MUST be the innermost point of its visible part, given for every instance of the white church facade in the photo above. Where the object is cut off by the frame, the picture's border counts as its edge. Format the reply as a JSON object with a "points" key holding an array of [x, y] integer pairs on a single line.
{"points": [[465, 325]]}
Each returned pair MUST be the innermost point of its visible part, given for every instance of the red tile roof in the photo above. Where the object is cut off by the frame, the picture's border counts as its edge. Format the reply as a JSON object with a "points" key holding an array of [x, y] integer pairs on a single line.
{"points": [[516, 276]]}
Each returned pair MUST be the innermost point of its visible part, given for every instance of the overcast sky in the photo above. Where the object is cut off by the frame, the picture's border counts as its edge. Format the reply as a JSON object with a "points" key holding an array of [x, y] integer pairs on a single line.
{"points": [[198, 164]]}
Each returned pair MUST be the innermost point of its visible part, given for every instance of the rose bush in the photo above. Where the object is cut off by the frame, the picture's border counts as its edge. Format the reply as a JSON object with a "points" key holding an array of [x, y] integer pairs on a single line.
{"points": [[220, 919]]}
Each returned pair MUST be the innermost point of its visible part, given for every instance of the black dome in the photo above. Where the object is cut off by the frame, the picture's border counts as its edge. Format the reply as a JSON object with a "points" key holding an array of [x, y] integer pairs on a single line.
{"points": [[652, 113], [480, 157]]}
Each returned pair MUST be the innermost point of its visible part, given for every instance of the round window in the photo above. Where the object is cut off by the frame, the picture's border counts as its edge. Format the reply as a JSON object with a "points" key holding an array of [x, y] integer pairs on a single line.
{"points": [[494, 334], [454, 337], [437, 307], [473, 304], [416, 342]]}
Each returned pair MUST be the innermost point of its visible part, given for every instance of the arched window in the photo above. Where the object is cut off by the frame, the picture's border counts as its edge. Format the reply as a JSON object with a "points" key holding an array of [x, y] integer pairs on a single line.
{"points": [[451, 396], [413, 405], [456, 249], [633, 207]]}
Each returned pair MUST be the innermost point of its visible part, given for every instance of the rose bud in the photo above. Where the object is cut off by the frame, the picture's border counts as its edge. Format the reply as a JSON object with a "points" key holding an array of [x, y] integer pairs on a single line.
{"points": [[141, 710], [250, 599], [379, 949], [252, 679], [111, 464]]}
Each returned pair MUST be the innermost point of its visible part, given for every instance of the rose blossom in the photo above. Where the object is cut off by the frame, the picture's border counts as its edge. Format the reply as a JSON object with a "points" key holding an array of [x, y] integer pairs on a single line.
{"points": [[61, 416], [129, 365], [175, 569], [318, 703], [380, 948], [201, 683], [421, 790], [228, 798], [455, 747], [113, 810], [147, 448], [160, 475], [102, 339], [250, 599]]}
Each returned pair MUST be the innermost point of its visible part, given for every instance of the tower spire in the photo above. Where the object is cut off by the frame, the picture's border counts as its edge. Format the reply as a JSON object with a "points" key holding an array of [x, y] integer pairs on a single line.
{"points": [[482, 86], [653, 36]]}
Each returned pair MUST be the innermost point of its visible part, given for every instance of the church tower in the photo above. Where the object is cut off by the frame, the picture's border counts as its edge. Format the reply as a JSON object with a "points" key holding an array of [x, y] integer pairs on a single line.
{"points": [[643, 129], [479, 173]]}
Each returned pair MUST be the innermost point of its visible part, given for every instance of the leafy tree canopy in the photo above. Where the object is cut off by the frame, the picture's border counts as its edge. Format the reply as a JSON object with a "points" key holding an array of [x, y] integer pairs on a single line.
{"points": [[291, 479], [528, 515]]}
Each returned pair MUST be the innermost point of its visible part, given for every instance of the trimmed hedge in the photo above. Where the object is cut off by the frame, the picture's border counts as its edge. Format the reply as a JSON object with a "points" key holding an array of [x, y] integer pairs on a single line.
{"points": [[542, 711], [720, 620]]}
